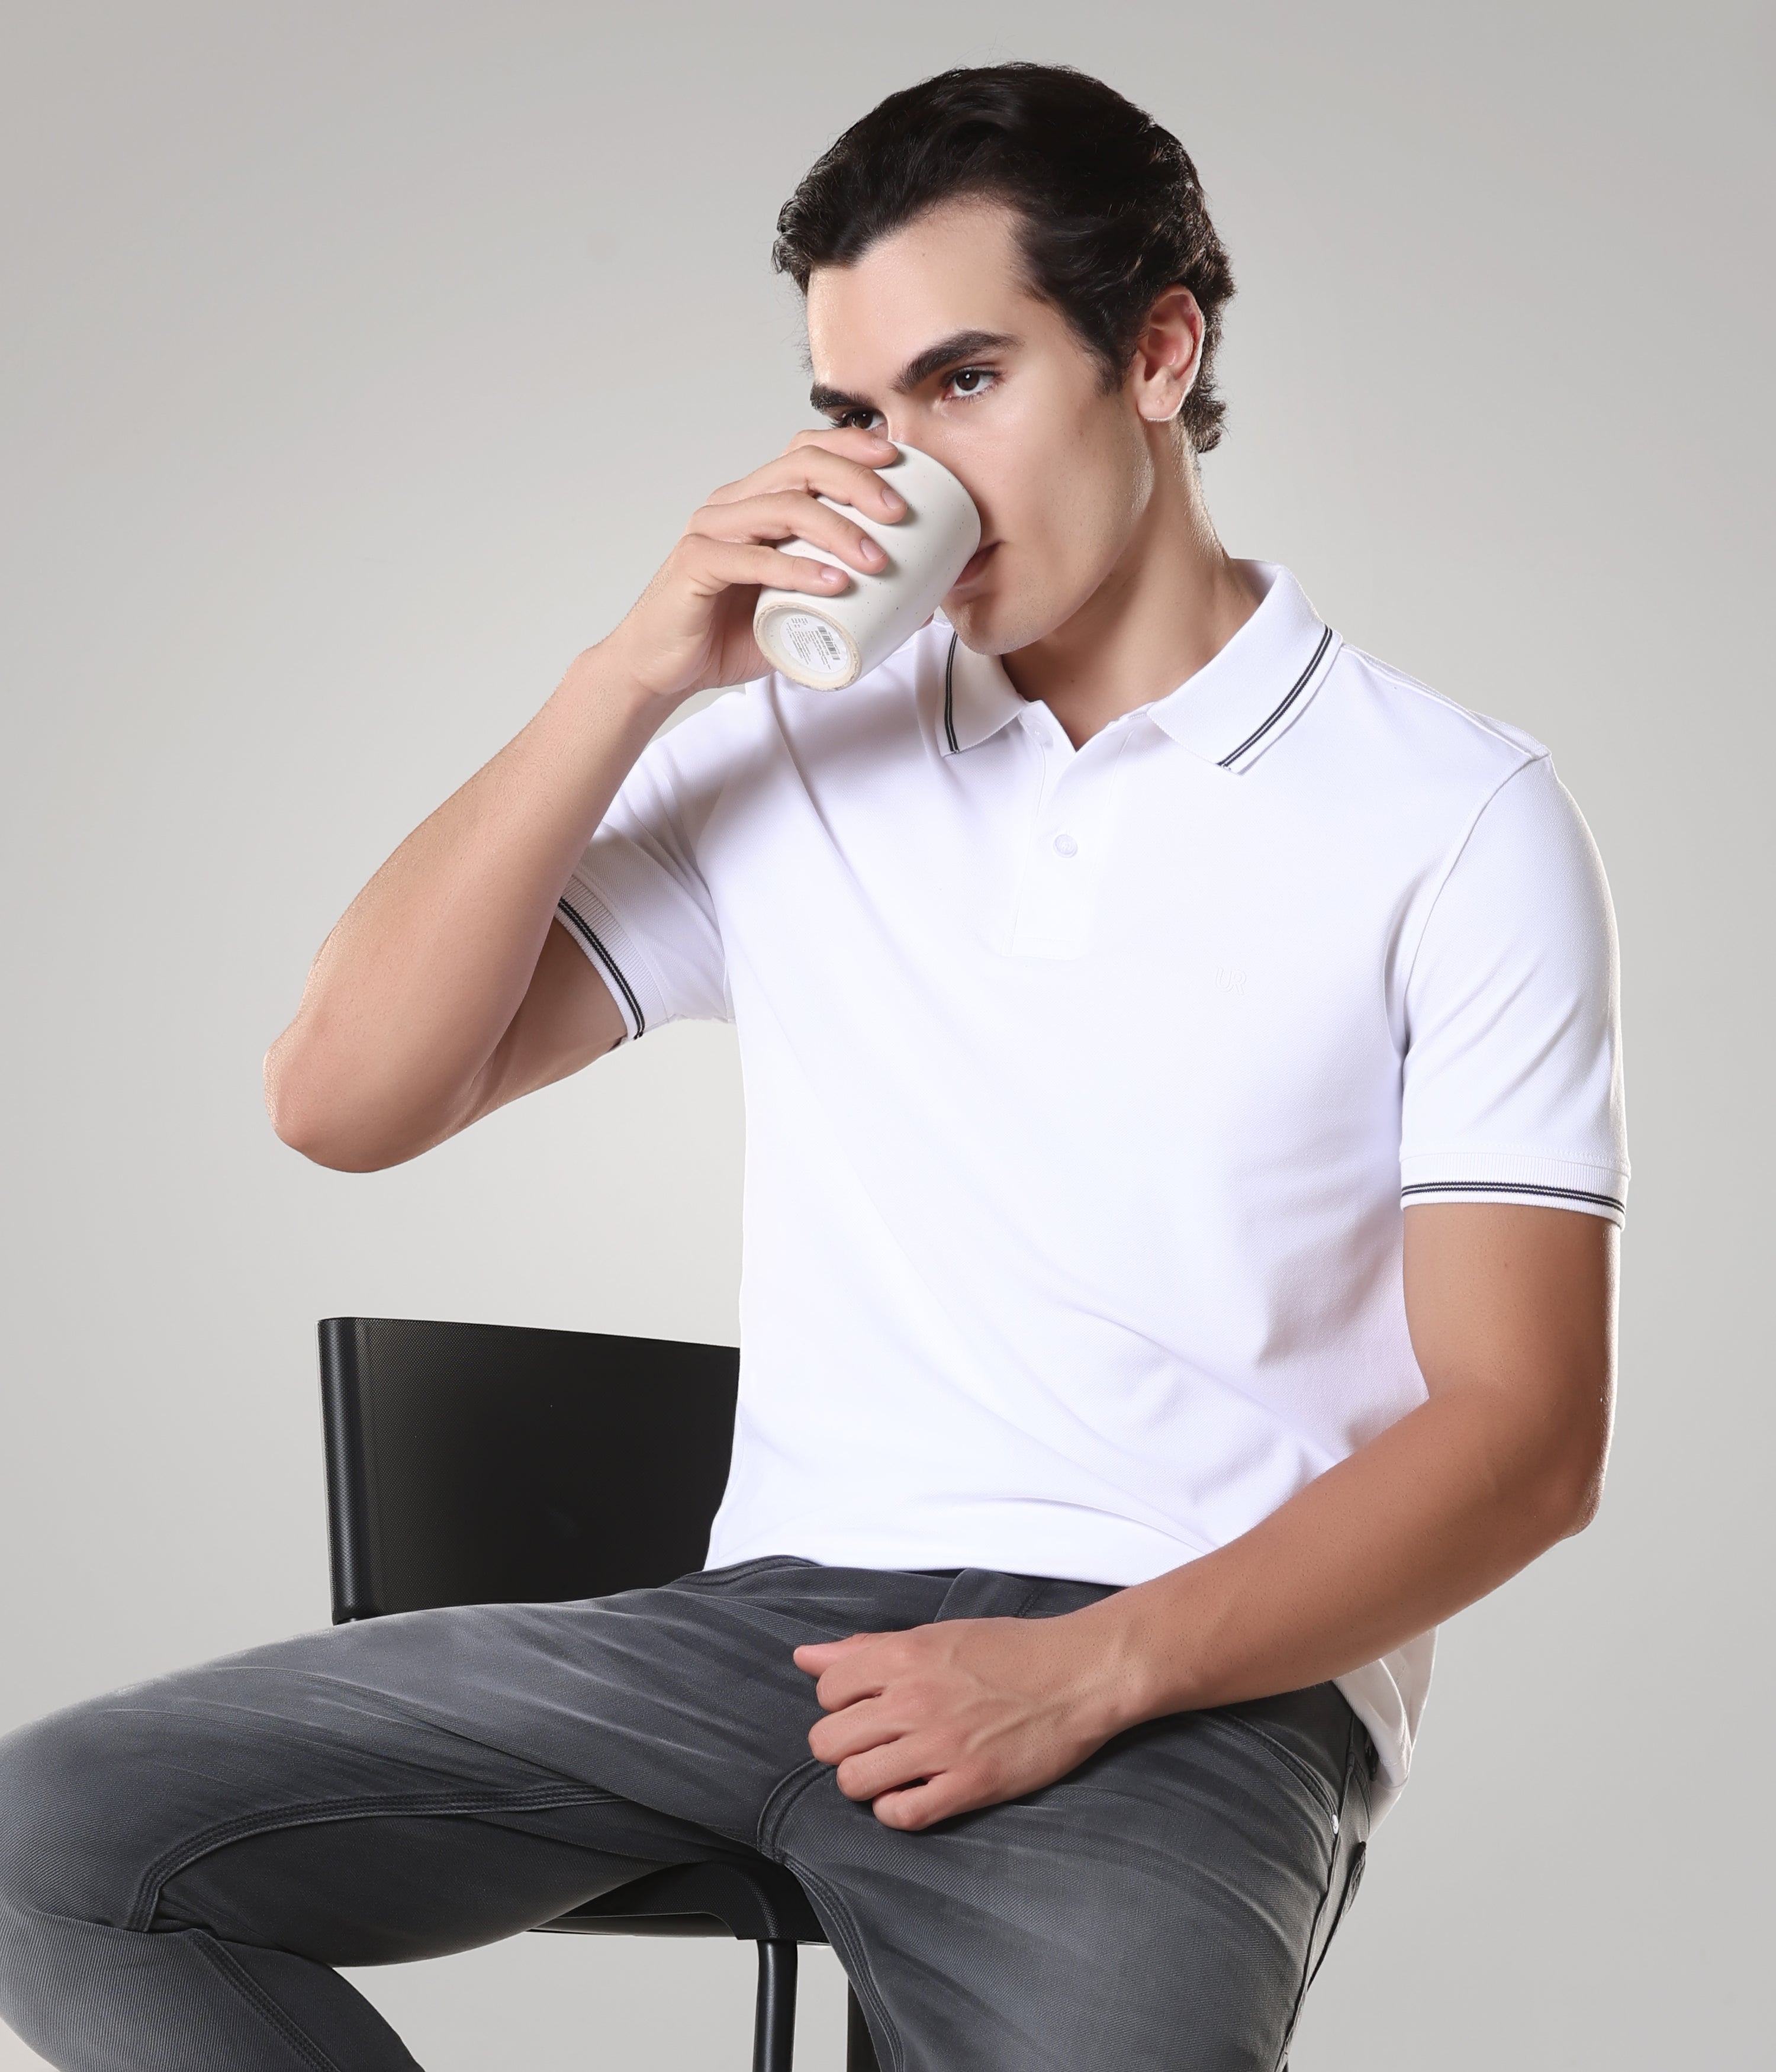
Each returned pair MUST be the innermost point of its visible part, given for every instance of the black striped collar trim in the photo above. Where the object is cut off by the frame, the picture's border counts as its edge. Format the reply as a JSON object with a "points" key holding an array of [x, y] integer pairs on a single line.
{"points": [[979, 699], [1244, 699], [1280, 713], [1229, 716], [949, 696]]}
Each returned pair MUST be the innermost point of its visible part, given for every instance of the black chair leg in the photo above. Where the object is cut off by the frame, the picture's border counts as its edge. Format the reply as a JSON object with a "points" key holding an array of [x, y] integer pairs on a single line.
{"points": [[859, 2053], [774, 2028]]}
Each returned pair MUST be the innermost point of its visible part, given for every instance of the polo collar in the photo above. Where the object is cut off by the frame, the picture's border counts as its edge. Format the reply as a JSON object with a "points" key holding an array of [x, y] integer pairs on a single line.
{"points": [[1247, 697], [1228, 713], [979, 699]]}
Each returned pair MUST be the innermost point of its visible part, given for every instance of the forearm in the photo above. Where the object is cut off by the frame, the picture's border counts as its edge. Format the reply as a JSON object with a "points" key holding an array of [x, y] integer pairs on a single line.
{"points": [[1511, 1311], [1430, 1515], [414, 990], [1437, 1511]]}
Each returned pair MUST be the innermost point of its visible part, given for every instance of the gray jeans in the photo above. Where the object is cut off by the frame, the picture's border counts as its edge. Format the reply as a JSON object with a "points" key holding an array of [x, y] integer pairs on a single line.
{"points": [[183, 1862]]}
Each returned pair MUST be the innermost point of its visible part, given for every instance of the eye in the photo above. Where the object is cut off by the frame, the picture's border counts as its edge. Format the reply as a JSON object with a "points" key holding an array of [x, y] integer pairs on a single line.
{"points": [[971, 380], [853, 420]]}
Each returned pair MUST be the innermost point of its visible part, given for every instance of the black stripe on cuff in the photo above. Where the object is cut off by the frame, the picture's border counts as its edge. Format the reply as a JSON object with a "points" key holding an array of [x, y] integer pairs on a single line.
{"points": [[1514, 1187], [585, 930]]}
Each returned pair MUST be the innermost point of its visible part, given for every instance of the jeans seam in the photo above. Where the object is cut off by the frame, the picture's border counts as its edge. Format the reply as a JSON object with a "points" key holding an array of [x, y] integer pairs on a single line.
{"points": [[783, 1794], [263, 2005], [170, 1861], [841, 1931], [1310, 1968], [1353, 1769]]}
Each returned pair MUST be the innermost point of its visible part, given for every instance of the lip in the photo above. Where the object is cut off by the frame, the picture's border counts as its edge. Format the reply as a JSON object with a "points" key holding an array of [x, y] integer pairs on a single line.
{"points": [[975, 566]]}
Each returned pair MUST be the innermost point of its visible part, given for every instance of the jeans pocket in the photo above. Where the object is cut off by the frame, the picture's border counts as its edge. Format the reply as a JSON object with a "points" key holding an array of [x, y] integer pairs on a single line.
{"points": [[1303, 1773], [736, 1572]]}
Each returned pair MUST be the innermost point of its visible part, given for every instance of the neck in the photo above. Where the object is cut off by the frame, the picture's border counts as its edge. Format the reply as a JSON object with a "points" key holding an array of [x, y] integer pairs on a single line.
{"points": [[1169, 603]]}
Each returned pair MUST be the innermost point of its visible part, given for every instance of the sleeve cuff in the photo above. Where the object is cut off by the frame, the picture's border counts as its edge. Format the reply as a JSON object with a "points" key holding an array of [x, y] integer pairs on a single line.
{"points": [[615, 955], [1519, 1177]]}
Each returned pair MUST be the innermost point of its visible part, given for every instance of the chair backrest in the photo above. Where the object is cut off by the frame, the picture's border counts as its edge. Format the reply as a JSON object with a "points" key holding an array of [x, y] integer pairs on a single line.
{"points": [[486, 1463]]}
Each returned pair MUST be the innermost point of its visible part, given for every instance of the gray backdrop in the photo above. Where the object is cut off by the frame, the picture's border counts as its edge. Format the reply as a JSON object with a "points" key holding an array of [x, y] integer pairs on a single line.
{"points": [[360, 363]]}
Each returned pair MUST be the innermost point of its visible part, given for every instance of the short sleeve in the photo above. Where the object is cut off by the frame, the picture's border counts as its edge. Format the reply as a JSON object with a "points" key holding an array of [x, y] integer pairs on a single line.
{"points": [[637, 903], [1512, 1078]]}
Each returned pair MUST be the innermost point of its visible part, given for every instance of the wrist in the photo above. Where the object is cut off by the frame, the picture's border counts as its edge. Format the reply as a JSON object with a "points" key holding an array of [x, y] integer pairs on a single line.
{"points": [[605, 677], [1118, 1688], [1145, 1667]]}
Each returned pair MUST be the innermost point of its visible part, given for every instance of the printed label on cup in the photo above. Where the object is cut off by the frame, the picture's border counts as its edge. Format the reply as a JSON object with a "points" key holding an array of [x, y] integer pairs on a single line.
{"points": [[811, 641]]}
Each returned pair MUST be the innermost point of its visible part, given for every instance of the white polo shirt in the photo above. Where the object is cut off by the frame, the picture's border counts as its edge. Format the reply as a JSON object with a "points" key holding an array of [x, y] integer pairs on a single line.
{"points": [[1084, 1089]]}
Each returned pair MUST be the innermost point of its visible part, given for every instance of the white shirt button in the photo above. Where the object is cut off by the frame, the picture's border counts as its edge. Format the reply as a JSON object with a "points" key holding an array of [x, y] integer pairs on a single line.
{"points": [[1066, 845]]}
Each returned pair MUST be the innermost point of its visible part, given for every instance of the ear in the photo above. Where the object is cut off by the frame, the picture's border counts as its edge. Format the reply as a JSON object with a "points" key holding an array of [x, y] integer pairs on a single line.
{"points": [[1168, 356]]}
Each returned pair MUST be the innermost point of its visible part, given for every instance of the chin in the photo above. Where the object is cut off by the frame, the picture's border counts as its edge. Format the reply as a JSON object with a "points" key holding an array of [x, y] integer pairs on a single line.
{"points": [[999, 625]]}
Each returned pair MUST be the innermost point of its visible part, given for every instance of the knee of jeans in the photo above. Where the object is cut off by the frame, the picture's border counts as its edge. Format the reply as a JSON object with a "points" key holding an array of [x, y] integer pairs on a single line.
{"points": [[66, 1788]]}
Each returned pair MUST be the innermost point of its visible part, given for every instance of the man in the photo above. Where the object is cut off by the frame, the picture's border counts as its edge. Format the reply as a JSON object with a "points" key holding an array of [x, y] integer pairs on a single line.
{"points": [[1185, 1156]]}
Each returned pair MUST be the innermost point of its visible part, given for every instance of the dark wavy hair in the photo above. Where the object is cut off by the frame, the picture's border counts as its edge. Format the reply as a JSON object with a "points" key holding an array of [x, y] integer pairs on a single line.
{"points": [[1111, 211]]}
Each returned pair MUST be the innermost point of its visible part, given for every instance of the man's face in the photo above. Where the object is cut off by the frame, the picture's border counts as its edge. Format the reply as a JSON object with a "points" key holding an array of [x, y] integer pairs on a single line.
{"points": [[934, 338]]}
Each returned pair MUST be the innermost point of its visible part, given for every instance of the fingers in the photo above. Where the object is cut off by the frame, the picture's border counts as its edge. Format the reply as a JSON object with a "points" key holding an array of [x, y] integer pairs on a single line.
{"points": [[849, 1669], [838, 1736], [874, 449], [921, 1805], [908, 1793], [889, 1766], [862, 1672], [713, 566], [790, 515], [814, 1656], [848, 476], [905, 1776], [841, 465]]}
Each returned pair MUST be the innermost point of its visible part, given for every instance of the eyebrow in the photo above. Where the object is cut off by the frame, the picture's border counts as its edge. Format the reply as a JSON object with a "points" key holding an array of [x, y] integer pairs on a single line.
{"points": [[948, 352]]}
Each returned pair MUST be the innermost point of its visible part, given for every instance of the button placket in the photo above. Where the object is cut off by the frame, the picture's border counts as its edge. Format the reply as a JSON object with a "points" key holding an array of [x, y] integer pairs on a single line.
{"points": [[1064, 857]]}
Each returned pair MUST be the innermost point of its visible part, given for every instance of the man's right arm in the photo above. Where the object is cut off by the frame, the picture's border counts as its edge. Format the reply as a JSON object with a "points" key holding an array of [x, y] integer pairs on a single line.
{"points": [[446, 991]]}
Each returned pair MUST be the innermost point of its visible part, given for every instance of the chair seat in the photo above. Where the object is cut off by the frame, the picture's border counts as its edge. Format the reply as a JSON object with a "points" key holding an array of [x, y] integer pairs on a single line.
{"points": [[758, 1901]]}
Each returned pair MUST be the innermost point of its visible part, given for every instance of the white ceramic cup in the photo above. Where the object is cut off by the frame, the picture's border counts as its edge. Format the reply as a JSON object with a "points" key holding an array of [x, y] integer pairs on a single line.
{"points": [[828, 642]]}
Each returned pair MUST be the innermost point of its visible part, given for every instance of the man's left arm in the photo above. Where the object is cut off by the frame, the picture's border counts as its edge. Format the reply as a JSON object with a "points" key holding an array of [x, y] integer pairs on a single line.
{"points": [[1512, 1315]]}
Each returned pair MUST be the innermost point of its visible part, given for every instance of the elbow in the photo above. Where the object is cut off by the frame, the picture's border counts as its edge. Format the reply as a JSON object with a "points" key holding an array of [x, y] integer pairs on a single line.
{"points": [[1572, 1494], [1586, 1503], [304, 1114], [283, 1105]]}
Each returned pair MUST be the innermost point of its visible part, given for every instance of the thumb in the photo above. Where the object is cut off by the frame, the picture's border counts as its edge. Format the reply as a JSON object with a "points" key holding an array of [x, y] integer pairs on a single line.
{"points": [[814, 1657]]}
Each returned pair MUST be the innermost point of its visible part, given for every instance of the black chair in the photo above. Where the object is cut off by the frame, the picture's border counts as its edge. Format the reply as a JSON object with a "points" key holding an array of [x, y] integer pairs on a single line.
{"points": [[473, 1464]]}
